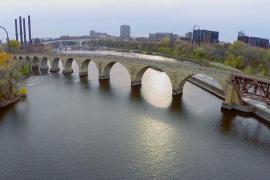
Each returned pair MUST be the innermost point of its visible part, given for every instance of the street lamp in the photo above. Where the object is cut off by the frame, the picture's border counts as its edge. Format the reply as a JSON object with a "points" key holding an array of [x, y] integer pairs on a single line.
{"points": [[7, 37]]}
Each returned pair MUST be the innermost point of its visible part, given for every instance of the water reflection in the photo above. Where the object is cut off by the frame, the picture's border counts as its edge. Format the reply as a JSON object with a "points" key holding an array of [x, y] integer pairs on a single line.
{"points": [[176, 104], [44, 72], [157, 88], [156, 139], [84, 128], [244, 126], [84, 82], [105, 85], [135, 93]]}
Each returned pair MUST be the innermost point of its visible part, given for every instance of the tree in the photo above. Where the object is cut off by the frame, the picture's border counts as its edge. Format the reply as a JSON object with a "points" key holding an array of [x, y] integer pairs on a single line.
{"points": [[199, 53], [14, 45], [165, 42], [4, 61], [238, 48], [9, 75], [235, 61]]}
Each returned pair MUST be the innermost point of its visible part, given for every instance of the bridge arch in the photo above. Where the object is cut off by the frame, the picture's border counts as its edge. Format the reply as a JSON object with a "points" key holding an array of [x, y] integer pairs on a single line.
{"points": [[68, 64], [35, 62], [137, 78], [20, 59], [55, 65], [68, 69], [44, 63], [84, 66], [28, 60], [105, 69], [108, 67]]}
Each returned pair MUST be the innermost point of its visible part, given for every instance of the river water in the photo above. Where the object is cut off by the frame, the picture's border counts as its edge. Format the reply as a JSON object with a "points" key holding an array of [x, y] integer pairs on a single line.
{"points": [[72, 128]]}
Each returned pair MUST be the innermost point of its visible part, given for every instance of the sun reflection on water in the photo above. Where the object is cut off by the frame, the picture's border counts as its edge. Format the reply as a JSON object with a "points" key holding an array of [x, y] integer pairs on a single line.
{"points": [[157, 88]]}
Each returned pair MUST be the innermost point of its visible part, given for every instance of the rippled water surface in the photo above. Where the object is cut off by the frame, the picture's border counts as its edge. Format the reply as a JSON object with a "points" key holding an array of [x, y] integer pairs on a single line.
{"points": [[72, 128]]}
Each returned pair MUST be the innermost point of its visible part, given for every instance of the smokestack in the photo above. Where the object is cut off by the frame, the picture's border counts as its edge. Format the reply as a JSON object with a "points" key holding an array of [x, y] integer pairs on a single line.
{"points": [[24, 32], [29, 30], [16, 30], [21, 33]]}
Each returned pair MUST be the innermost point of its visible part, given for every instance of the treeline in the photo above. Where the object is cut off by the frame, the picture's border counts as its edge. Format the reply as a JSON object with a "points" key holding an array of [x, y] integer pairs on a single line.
{"points": [[12, 74], [251, 60]]}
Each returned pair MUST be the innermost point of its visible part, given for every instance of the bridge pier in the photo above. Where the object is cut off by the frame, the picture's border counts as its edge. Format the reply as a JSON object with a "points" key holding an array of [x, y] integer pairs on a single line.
{"points": [[35, 67], [44, 68], [177, 93], [136, 84], [67, 71], [54, 70], [104, 77], [82, 74], [233, 100]]}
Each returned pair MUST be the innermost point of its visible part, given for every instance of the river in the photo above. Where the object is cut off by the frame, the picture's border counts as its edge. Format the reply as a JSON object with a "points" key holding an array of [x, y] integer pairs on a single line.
{"points": [[72, 128]]}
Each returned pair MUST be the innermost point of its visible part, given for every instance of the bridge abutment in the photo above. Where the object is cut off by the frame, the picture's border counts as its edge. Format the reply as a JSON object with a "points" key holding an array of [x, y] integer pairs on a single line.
{"points": [[67, 71], [233, 100]]}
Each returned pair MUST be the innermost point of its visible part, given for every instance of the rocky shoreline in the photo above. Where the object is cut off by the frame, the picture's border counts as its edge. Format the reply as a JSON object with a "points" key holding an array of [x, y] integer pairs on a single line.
{"points": [[6, 103]]}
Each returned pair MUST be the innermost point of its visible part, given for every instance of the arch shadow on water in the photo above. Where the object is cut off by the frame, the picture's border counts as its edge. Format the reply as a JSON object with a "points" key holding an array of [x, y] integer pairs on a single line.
{"points": [[105, 86], [69, 79], [35, 72], [84, 82], [135, 94]]}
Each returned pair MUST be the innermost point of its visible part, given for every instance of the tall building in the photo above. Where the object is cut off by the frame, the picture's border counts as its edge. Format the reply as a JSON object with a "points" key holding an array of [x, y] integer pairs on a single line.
{"points": [[125, 32], [241, 34], [254, 41], [205, 36]]}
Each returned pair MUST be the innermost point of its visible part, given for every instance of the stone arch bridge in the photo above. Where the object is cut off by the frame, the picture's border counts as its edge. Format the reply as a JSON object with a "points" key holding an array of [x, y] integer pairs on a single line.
{"points": [[177, 71]]}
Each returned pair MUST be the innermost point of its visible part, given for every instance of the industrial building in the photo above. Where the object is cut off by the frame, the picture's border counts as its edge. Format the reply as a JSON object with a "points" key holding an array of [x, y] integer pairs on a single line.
{"points": [[205, 36], [253, 41]]}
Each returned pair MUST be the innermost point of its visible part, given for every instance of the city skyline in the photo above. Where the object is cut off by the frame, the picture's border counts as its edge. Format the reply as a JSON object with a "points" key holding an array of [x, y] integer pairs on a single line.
{"points": [[107, 16]]}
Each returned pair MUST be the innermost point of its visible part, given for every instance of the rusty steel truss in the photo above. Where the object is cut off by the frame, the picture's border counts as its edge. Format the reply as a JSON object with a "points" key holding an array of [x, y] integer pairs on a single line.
{"points": [[254, 88]]}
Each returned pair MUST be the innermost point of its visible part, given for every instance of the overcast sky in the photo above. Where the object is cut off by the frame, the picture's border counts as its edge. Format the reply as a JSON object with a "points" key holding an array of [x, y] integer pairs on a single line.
{"points": [[52, 18]]}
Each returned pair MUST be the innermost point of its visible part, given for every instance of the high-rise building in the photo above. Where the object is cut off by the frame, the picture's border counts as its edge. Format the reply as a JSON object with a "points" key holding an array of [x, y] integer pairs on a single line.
{"points": [[253, 41], [125, 32], [205, 36], [241, 34]]}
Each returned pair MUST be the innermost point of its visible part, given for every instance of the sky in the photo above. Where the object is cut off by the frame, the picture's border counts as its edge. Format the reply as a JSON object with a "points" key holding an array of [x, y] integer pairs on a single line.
{"points": [[53, 18]]}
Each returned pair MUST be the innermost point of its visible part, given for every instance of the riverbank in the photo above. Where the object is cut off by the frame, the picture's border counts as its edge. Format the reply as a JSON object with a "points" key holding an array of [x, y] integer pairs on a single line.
{"points": [[5, 103]]}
